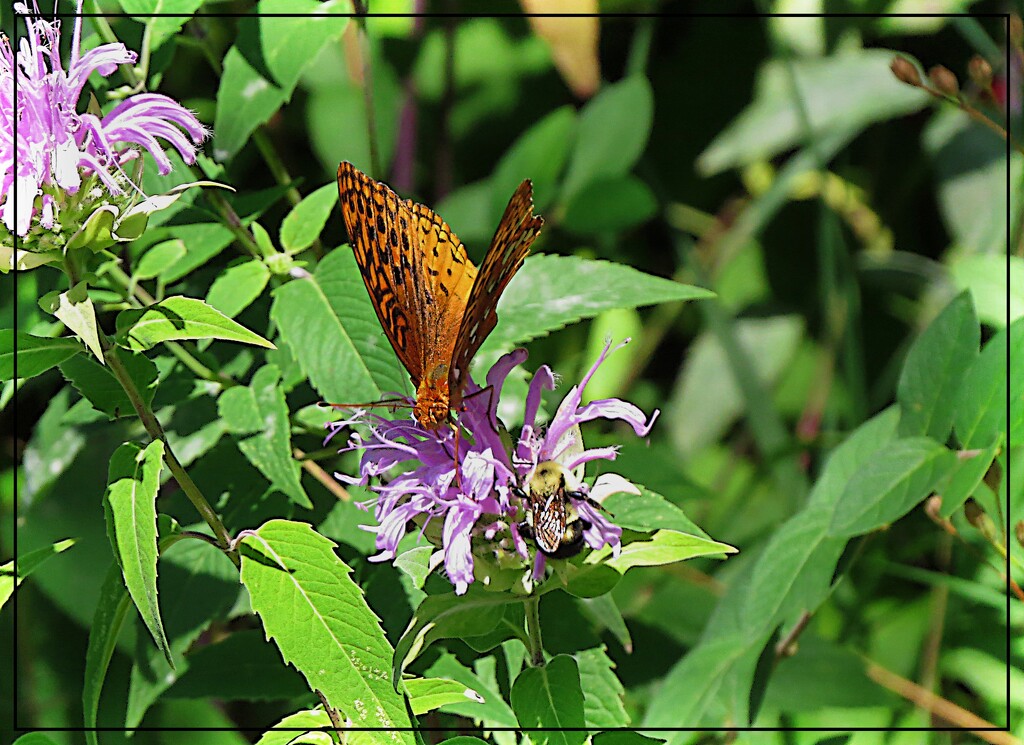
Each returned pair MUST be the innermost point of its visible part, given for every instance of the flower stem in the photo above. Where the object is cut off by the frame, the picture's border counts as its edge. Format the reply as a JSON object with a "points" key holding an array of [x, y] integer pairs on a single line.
{"points": [[535, 645], [156, 431]]}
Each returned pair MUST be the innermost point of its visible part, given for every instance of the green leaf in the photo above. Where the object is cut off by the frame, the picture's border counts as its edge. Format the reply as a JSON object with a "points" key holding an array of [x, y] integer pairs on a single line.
{"points": [[935, 368], [794, 572], [330, 326], [130, 505], [966, 478], [427, 694], [604, 612], [849, 90], [178, 318], [550, 292], [160, 258], [986, 276], [665, 547], [648, 512], [258, 417], [980, 411], [263, 66], [551, 696], [161, 27], [111, 611], [890, 484], [284, 732], [610, 205], [539, 154], [36, 354], [447, 616], [416, 563], [103, 390], [320, 621], [76, 310], [35, 738], [27, 563], [602, 691], [303, 224], [698, 681], [237, 287], [491, 712], [612, 134]]}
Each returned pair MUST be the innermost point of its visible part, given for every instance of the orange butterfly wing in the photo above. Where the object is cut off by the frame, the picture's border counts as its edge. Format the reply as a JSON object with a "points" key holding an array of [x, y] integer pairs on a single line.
{"points": [[511, 243], [434, 306], [414, 267]]}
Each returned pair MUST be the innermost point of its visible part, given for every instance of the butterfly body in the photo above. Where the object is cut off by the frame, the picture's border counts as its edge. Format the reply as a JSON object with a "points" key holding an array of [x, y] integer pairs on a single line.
{"points": [[435, 306]]}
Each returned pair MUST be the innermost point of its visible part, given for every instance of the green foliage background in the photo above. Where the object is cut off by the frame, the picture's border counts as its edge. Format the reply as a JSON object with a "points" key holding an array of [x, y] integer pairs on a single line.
{"points": [[853, 362]]}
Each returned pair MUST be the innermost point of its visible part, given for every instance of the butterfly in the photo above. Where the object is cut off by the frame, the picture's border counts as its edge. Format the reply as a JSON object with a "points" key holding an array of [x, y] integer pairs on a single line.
{"points": [[435, 306]]}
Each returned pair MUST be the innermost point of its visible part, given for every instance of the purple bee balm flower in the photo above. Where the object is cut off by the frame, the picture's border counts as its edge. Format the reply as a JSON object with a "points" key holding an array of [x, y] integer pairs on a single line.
{"points": [[56, 145], [466, 481]]}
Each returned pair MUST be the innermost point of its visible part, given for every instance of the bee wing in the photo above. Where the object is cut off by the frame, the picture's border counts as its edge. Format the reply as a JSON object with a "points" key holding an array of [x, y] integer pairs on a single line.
{"points": [[549, 523]]}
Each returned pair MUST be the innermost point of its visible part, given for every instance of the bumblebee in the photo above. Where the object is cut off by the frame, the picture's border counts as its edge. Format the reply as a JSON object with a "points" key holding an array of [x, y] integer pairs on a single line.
{"points": [[552, 521]]}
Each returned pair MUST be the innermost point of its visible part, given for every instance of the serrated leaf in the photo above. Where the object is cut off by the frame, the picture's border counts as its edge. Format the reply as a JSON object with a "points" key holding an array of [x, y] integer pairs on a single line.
{"points": [[111, 610], [257, 416], [491, 712], [612, 134], [306, 220], [319, 619], [237, 287], [27, 563], [160, 258], [890, 484], [76, 310], [263, 66], [427, 694], [550, 292], [178, 318], [35, 354], [551, 696], [604, 612], [664, 547], [330, 326], [602, 691], [626, 738], [130, 505], [447, 616], [934, 370], [103, 390]]}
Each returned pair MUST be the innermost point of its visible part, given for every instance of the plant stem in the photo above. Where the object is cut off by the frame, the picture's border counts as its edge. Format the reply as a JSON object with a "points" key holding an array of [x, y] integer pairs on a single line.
{"points": [[535, 645], [156, 432]]}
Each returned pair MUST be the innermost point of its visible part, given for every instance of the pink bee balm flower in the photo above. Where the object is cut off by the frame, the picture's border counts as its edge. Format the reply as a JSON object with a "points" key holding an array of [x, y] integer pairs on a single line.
{"points": [[57, 147], [427, 487]]}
